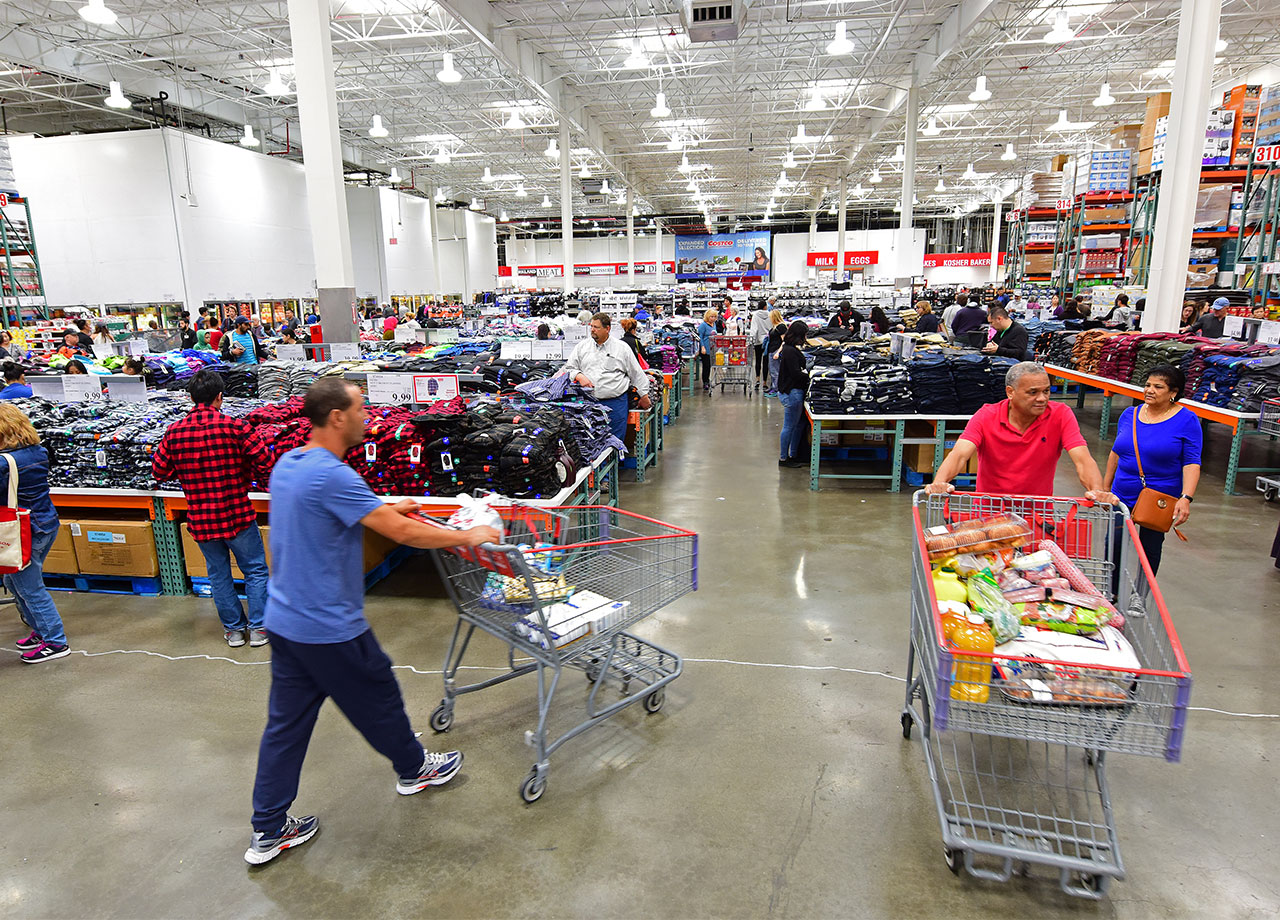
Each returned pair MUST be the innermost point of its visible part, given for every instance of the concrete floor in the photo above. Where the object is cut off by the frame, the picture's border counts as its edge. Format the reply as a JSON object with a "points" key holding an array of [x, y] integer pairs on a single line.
{"points": [[775, 782]]}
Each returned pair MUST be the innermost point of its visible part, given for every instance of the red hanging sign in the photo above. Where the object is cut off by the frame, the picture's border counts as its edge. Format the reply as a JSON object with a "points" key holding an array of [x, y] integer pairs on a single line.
{"points": [[959, 259], [851, 259]]}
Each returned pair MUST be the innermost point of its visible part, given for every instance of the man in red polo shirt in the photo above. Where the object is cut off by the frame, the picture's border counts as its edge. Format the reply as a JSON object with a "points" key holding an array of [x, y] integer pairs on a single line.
{"points": [[1019, 440]]}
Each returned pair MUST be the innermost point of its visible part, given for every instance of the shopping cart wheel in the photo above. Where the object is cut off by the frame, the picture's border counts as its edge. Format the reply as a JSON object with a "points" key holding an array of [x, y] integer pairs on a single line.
{"points": [[533, 786], [954, 860], [653, 702], [906, 725], [593, 670], [441, 718], [1271, 494], [1097, 884]]}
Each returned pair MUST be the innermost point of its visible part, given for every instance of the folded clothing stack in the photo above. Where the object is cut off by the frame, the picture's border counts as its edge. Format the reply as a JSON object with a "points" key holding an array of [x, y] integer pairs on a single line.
{"points": [[1259, 381], [283, 379], [1158, 351], [664, 358], [1117, 356], [932, 385], [1057, 348], [1086, 351], [979, 380], [826, 390], [1217, 384]]}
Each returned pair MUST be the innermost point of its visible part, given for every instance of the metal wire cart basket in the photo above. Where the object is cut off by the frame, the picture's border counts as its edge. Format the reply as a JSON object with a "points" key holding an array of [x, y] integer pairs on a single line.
{"points": [[564, 591], [1019, 774]]}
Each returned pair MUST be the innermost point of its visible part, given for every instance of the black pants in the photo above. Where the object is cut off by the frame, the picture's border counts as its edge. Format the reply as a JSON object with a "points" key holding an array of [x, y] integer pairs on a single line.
{"points": [[760, 362], [357, 674], [706, 371], [1152, 542]]}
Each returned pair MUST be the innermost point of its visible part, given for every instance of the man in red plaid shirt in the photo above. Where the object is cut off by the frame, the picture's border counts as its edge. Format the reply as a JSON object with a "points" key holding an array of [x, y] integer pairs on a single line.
{"points": [[215, 458]]}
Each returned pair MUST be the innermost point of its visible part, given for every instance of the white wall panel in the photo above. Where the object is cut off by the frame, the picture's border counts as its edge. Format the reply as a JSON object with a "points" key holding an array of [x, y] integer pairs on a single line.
{"points": [[482, 252], [103, 216], [406, 219], [364, 218]]}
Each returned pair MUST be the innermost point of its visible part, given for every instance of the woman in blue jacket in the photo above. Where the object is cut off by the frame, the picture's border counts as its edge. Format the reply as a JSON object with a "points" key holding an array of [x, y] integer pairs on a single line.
{"points": [[19, 440]]}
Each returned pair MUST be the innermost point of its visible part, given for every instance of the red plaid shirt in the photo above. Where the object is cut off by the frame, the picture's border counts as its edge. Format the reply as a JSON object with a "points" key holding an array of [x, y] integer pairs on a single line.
{"points": [[215, 458]]}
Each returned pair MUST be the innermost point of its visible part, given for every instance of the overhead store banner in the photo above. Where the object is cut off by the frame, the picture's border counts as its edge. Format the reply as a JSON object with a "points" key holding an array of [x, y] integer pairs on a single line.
{"points": [[723, 255], [851, 259], [590, 268], [958, 259]]}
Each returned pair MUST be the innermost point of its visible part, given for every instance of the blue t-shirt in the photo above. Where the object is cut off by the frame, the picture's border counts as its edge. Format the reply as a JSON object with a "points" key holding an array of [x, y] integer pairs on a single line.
{"points": [[1166, 448], [316, 592], [15, 391], [246, 341], [33, 486]]}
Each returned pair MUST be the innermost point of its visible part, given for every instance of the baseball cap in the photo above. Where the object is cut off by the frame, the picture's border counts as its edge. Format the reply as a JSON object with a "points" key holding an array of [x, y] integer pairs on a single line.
{"points": [[1220, 304]]}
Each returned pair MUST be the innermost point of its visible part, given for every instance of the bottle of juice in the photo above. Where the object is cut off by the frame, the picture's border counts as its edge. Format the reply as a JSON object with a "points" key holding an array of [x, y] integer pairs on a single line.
{"points": [[953, 617], [972, 679]]}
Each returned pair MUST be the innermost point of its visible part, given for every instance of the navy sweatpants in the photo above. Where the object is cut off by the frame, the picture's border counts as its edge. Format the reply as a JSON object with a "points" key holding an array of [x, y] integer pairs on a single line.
{"points": [[357, 675]]}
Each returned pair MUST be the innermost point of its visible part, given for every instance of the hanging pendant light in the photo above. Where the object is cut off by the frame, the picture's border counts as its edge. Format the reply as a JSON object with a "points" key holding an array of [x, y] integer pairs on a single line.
{"points": [[440, 196], [515, 122], [1062, 124], [446, 73], [502, 216], [116, 98], [637, 59], [546, 201], [789, 161], [1008, 153], [660, 109], [899, 155], [604, 187], [395, 178], [276, 85], [931, 129], [840, 45], [248, 140], [488, 175], [800, 137], [521, 192], [96, 12], [475, 205], [969, 175], [1061, 32], [816, 103], [980, 92], [685, 166], [875, 178], [585, 171], [442, 158], [553, 150], [1104, 97], [376, 129]]}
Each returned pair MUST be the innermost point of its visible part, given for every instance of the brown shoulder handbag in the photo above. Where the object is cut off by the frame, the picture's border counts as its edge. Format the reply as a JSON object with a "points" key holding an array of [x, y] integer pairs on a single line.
{"points": [[1153, 510]]}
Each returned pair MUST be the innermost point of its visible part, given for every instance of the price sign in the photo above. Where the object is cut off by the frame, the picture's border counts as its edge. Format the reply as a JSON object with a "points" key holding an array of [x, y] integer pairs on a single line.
{"points": [[575, 333], [344, 351], [548, 350], [1269, 333], [137, 347], [390, 389], [102, 350], [291, 353], [1270, 268], [442, 336], [405, 334], [512, 351], [1270, 154], [1233, 327], [79, 387], [47, 388], [125, 388], [433, 387]]}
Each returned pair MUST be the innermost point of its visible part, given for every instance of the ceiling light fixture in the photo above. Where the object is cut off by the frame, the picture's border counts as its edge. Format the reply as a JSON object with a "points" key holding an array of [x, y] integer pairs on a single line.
{"points": [[875, 178], [546, 201], [931, 129], [475, 205], [116, 98], [488, 176], [395, 178], [521, 192], [515, 122], [442, 158], [660, 109], [899, 155], [1061, 31], [502, 216], [969, 175], [685, 167], [248, 140], [941, 186], [376, 129], [691, 187], [789, 161], [816, 103], [96, 12], [783, 181], [447, 74], [840, 45], [276, 85], [604, 187], [833, 210], [1008, 153], [675, 143], [440, 196], [980, 92], [1221, 46], [584, 172], [1104, 97], [800, 137], [553, 150], [637, 59], [859, 191], [1062, 124]]}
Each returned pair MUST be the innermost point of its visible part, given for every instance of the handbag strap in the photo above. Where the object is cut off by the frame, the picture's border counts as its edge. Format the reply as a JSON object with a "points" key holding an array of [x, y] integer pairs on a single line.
{"points": [[1137, 456], [13, 480]]}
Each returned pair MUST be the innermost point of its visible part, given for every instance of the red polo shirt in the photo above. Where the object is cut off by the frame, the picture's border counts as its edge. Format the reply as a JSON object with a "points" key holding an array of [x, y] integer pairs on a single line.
{"points": [[1014, 463]]}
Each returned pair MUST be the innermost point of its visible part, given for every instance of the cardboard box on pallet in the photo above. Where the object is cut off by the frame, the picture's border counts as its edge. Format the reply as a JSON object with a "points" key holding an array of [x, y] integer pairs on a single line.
{"points": [[62, 555], [919, 457], [868, 438], [1127, 136], [125, 548], [194, 559]]}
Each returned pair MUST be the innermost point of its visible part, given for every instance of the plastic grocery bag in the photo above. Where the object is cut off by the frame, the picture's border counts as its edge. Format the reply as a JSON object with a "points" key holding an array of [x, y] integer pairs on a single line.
{"points": [[478, 512], [986, 598]]}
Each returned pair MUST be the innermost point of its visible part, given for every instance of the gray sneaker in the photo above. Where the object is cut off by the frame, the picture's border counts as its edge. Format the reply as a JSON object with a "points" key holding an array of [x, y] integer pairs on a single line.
{"points": [[258, 638], [296, 831], [234, 637], [1137, 606]]}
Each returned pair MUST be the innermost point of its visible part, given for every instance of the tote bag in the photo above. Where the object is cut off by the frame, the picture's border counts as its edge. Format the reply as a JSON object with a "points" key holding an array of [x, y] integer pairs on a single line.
{"points": [[15, 528]]}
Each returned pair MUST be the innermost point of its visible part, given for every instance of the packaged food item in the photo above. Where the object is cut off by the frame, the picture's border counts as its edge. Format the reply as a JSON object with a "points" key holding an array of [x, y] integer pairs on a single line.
{"points": [[947, 587], [1028, 595], [973, 563], [986, 598], [1057, 584], [478, 512], [939, 545], [977, 536], [1040, 561], [1009, 580], [971, 679]]}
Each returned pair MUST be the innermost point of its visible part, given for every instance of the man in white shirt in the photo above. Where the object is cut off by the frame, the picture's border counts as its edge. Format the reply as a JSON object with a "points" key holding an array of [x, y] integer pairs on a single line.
{"points": [[949, 314], [609, 369]]}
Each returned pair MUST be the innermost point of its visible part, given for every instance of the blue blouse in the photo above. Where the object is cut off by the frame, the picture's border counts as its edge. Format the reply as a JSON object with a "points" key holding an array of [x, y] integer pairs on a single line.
{"points": [[705, 332], [1166, 448], [33, 486]]}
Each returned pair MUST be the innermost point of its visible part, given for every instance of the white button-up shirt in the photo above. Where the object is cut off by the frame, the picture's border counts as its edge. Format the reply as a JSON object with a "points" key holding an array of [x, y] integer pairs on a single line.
{"points": [[612, 367]]}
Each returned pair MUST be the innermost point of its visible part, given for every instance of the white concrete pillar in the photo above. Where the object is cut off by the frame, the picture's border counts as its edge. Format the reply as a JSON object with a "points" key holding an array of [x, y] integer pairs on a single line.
{"points": [[995, 242], [906, 236], [1175, 211], [631, 240], [657, 250], [566, 208], [322, 162], [513, 259], [812, 272], [844, 208], [433, 225]]}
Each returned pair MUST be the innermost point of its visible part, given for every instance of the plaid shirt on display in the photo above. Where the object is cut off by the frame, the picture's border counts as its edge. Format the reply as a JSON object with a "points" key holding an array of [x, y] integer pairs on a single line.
{"points": [[215, 458]]}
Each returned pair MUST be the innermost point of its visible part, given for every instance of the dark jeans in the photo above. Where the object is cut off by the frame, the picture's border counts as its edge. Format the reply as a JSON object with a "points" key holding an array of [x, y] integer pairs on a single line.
{"points": [[706, 371], [357, 674], [618, 408], [252, 558], [792, 438], [35, 604], [1152, 542]]}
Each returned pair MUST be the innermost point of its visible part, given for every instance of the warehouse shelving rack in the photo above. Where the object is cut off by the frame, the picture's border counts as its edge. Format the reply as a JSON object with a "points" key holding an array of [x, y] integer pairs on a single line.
{"points": [[22, 281], [1257, 262], [1073, 230], [1019, 248]]}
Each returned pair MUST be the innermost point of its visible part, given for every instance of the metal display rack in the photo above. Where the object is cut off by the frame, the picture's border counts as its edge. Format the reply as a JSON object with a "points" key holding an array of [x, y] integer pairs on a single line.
{"points": [[1257, 257], [21, 280], [1020, 245], [1073, 275], [1142, 232]]}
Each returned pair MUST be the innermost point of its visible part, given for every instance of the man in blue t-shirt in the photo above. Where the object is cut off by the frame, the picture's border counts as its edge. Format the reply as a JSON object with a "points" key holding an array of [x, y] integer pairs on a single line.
{"points": [[321, 644]]}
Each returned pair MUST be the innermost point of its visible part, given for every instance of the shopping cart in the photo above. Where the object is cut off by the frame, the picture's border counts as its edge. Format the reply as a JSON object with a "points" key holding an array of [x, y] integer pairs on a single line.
{"points": [[1269, 417], [564, 592], [1021, 776], [732, 363]]}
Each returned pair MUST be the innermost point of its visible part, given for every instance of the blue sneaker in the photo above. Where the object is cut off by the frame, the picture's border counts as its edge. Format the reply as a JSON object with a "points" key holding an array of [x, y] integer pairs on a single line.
{"points": [[296, 831], [437, 769]]}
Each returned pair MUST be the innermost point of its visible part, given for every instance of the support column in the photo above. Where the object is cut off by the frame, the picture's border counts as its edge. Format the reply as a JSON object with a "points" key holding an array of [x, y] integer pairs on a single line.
{"points": [[1175, 211], [906, 238], [995, 242], [813, 240], [844, 209], [322, 163], [433, 223], [657, 250], [566, 207], [513, 260], [631, 240]]}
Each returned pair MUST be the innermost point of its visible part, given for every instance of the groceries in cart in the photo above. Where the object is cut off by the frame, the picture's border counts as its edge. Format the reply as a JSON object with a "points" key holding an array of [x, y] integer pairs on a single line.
{"points": [[479, 512], [995, 591]]}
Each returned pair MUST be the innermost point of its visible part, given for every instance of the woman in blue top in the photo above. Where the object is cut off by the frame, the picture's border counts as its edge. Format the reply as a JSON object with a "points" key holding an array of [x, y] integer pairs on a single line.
{"points": [[1169, 439], [19, 439], [706, 329]]}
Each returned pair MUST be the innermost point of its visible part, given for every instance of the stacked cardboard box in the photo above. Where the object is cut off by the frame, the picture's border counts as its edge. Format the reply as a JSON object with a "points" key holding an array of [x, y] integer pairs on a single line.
{"points": [[1127, 136], [1244, 100], [1099, 171], [376, 549], [1219, 130], [62, 555], [919, 457], [105, 546], [1268, 117], [1157, 107]]}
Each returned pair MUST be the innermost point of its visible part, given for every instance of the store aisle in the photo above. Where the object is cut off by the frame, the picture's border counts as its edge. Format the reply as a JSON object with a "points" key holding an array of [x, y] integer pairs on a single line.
{"points": [[775, 782]]}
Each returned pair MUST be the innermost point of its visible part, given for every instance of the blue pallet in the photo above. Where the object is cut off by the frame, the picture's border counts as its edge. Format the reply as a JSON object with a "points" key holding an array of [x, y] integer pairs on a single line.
{"points": [[103, 584], [855, 453], [202, 588], [964, 480]]}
